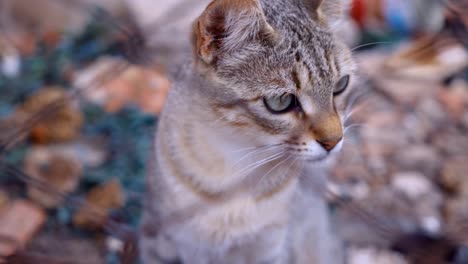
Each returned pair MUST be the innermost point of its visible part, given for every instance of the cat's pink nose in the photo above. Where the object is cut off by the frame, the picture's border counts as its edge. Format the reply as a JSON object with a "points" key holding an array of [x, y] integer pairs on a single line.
{"points": [[329, 144]]}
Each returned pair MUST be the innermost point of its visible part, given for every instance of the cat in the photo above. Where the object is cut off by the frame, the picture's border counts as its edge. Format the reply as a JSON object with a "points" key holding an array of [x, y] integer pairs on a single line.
{"points": [[247, 124]]}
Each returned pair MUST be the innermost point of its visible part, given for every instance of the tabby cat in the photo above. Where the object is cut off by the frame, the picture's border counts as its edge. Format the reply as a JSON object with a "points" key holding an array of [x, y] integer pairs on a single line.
{"points": [[248, 122]]}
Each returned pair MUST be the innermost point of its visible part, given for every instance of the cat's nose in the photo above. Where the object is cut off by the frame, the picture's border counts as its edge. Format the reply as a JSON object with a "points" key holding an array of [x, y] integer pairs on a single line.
{"points": [[327, 130], [329, 144]]}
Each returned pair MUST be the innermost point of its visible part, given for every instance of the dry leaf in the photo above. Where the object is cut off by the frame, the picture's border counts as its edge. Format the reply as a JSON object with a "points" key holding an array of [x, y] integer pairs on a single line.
{"points": [[63, 124], [57, 169], [100, 201]]}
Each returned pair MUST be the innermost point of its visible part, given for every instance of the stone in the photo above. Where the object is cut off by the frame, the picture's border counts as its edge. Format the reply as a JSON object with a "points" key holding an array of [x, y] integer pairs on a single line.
{"points": [[454, 175], [419, 158], [10, 64], [433, 111], [464, 120], [19, 224], [454, 100], [412, 184], [71, 248], [456, 214], [374, 256], [451, 142]]}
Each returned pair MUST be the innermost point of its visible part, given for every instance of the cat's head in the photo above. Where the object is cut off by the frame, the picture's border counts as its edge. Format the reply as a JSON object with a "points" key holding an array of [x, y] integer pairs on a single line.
{"points": [[281, 75]]}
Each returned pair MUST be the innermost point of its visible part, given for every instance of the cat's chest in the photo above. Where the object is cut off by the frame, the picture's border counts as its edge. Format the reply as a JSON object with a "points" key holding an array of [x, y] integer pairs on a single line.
{"points": [[240, 218]]}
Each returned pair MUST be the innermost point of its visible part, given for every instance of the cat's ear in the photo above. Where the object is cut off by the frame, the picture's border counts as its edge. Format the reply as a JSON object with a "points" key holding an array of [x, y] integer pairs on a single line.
{"points": [[228, 25], [327, 11]]}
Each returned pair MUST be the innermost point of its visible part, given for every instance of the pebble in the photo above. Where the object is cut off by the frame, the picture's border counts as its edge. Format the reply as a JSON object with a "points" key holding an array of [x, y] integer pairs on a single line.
{"points": [[412, 184], [374, 256], [454, 175], [19, 223], [420, 158]]}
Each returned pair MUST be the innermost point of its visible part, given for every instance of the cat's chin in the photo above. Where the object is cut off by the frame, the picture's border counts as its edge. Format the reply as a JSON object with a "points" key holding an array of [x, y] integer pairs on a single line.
{"points": [[324, 158], [325, 161], [317, 159]]}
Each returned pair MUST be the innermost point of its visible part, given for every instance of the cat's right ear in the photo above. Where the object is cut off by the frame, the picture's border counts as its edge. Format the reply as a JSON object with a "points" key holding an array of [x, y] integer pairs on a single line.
{"points": [[228, 25]]}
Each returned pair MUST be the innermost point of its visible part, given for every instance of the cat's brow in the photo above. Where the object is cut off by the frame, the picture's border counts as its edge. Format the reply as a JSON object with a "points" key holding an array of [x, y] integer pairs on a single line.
{"points": [[296, 79]]}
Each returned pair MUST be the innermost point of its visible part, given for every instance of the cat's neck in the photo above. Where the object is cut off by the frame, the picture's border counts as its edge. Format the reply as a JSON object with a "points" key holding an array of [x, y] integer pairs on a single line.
{"points": [[213, 155]]}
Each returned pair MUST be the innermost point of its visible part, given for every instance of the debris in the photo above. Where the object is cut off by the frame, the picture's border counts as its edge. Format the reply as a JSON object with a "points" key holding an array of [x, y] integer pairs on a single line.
{"points": [[56, 169], [62, 125], [454, 99], [100, 201], [430, 58], [11, 65], [45, 15], [374, 256], [412, 184], [145, 88], [454, 175], [19, 224]]}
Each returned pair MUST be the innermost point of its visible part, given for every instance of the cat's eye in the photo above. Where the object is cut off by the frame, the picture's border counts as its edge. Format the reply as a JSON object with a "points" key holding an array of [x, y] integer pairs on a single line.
{"points": [[341, 85], [280, 103]]}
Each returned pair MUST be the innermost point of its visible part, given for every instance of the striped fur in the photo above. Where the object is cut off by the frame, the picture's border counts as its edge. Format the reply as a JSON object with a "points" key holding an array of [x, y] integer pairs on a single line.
{"points": [[226, 180]]}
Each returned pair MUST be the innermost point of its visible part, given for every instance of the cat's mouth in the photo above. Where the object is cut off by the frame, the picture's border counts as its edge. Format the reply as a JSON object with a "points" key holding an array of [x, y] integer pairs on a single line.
{"points": [[317, 159], [311, 158], [312, 152]]}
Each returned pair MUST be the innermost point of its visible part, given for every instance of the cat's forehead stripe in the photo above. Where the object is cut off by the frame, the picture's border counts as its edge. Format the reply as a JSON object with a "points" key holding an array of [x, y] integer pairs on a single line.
{"points": [[321, 67]]}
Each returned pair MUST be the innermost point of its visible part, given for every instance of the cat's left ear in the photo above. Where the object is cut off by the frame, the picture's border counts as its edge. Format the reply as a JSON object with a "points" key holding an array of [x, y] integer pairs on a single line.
{"points": [[229, 25], [327, 11]]}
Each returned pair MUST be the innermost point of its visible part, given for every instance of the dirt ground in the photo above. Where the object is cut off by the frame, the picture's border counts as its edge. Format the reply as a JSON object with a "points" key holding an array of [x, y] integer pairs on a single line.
{"points": [[81, 88]]}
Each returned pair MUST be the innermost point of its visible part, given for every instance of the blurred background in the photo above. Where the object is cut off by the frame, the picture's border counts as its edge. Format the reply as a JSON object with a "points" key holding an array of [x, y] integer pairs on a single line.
{"points": [[82, 83]]}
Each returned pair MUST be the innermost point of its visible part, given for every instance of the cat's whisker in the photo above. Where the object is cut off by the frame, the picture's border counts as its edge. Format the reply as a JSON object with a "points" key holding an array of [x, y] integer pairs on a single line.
{"points": [[254, 152], [360, 125], [371, 44], [353, 101], [217, 121], [262, 162], [271, 170], [294, 164], [252, 148], [258, 164], [349, 114]]}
